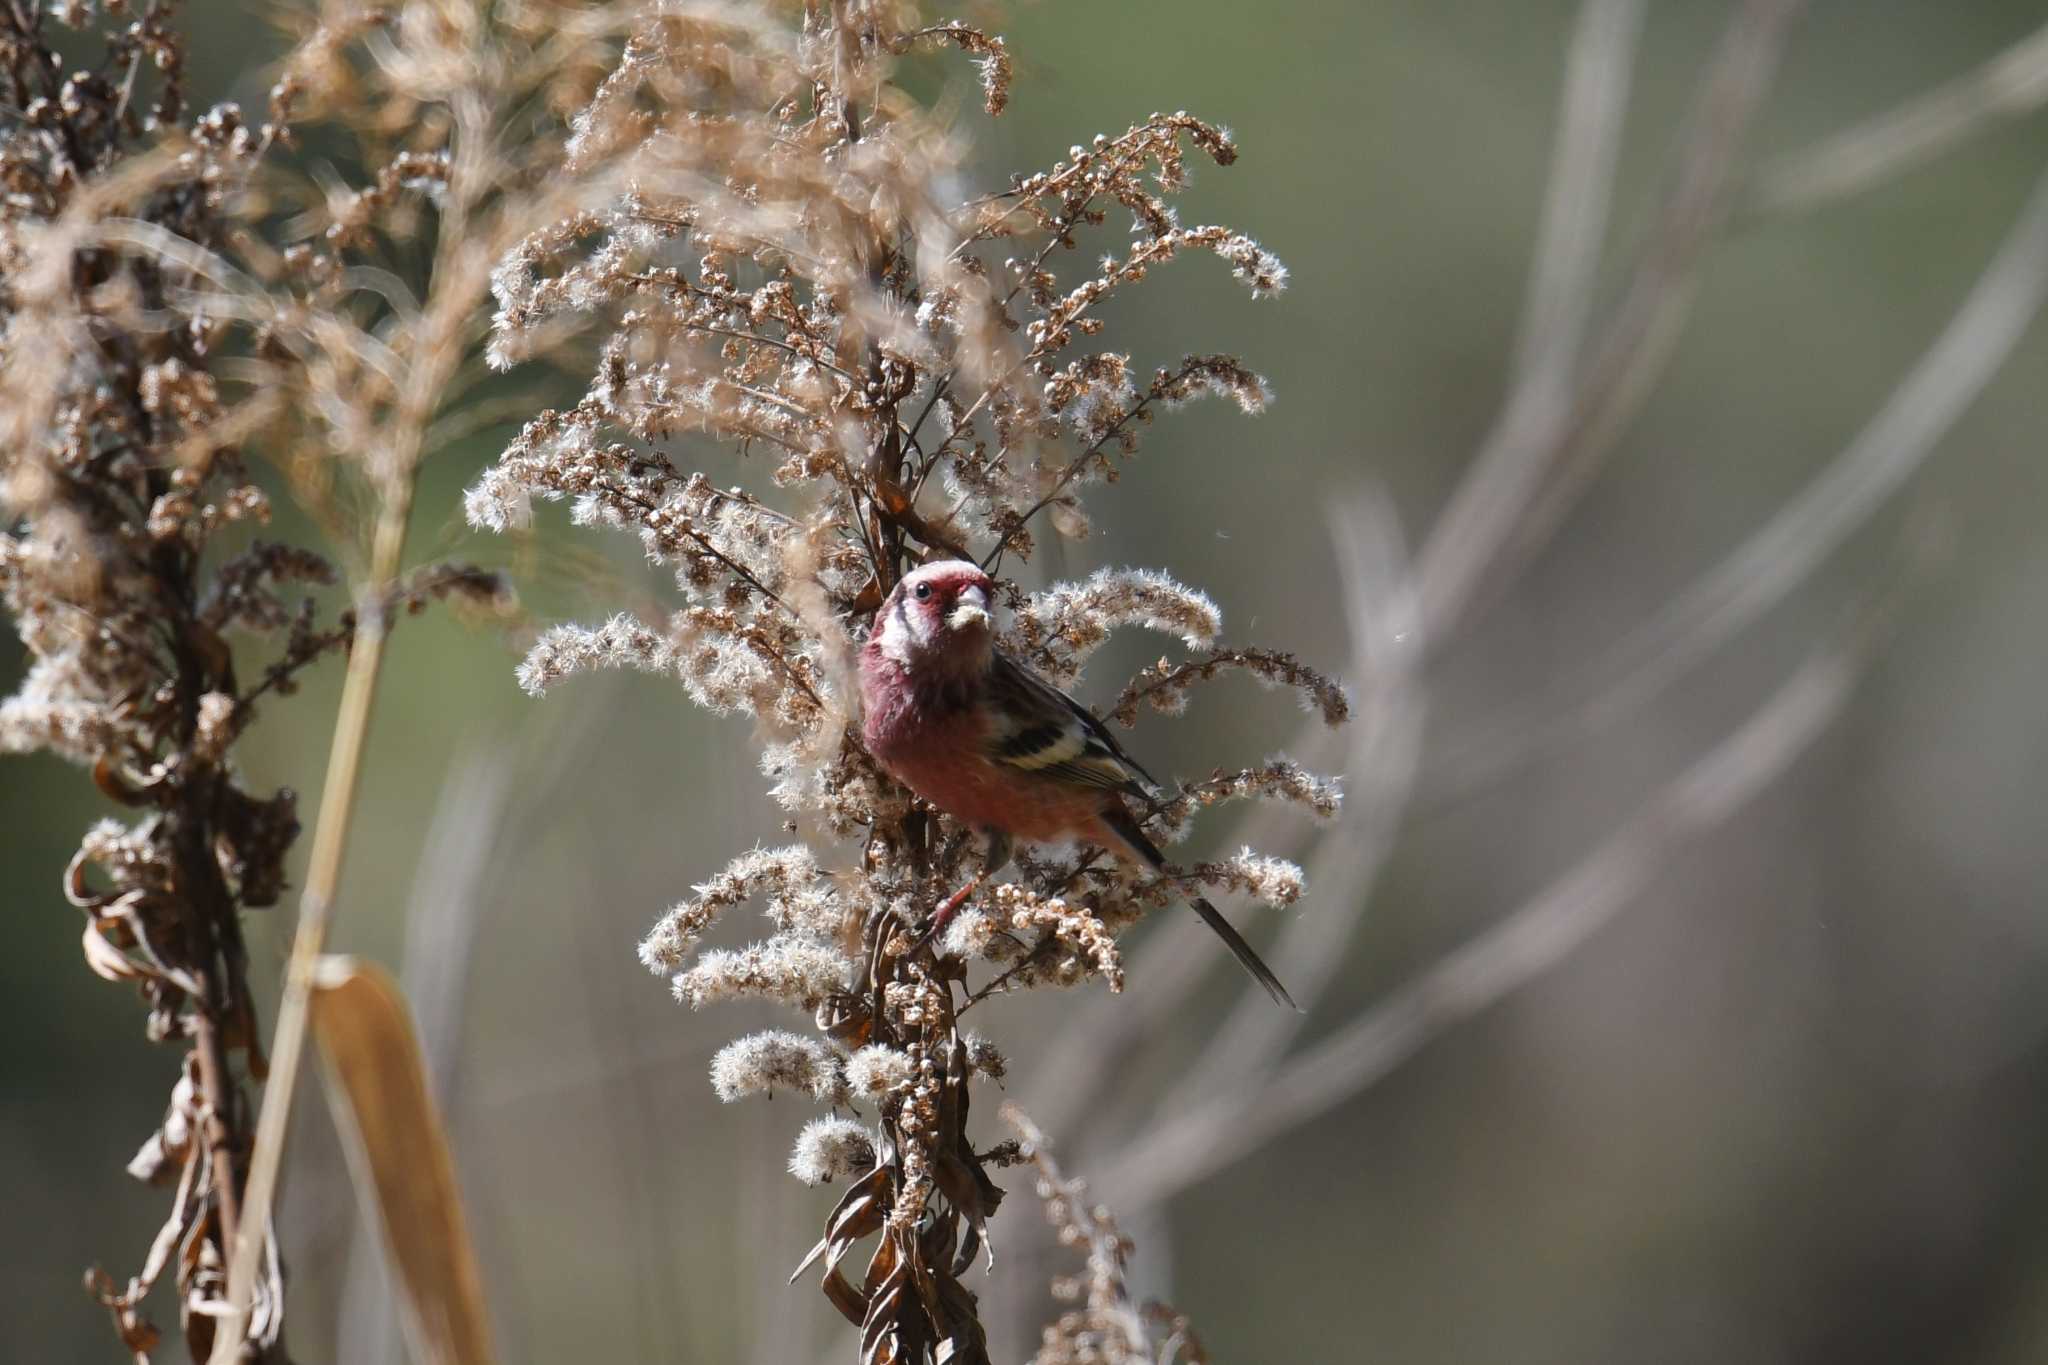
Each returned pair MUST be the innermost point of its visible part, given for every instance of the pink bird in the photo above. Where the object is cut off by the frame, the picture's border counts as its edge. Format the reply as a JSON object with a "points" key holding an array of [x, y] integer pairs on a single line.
{"points": [[994, 745]]}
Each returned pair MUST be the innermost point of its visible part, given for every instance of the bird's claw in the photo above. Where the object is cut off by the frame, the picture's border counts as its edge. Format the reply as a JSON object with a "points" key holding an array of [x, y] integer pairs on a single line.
{"points": [[943, 916]]}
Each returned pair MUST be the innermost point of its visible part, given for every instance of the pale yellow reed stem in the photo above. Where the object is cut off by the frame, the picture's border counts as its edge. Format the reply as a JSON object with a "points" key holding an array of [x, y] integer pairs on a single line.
{"points": [[316, 913]]}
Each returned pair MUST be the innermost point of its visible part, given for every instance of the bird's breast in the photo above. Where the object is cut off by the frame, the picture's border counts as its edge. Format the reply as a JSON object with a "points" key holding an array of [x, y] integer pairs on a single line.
{"points": [[930, 736]]}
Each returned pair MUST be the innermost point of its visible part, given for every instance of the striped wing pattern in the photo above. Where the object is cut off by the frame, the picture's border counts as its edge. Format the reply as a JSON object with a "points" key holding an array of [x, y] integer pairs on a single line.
{"points": [[1041, 730], [1037, 729]]}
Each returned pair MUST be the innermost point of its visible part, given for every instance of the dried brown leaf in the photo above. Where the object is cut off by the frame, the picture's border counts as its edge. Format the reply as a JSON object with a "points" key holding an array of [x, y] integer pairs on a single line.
{"points": [[398, 1154]]}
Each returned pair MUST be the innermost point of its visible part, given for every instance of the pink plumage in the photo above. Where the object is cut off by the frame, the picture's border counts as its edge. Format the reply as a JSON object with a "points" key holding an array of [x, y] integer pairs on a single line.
{"points": [[993, 745]]}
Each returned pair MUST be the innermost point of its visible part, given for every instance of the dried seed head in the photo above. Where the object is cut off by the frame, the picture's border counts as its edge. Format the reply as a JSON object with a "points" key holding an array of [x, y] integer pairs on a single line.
{"points": [[761, 1063], [831, 1148], [878, 1069]]}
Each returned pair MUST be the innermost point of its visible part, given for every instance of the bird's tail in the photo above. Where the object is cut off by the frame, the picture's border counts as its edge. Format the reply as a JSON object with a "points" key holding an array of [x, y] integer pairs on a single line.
{"points": [[1119, 823], [1244, 953]]}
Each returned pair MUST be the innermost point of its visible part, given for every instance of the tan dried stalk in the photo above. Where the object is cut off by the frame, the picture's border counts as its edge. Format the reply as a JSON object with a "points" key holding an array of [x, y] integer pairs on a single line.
{"points": [[1107, 1326], [480, 81], [316, 909]]}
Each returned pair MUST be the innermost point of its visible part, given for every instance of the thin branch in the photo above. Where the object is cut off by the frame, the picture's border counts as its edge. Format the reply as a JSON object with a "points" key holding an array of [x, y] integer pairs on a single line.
{"points": [[705, 546], [2011, 85], [1598, 69], [1056, 234], [756, 338], [1190, 1145], [1080, 1060], [1041, 952], [1758, 574], [1544, 445], [1269, 665], [1079, 463], [1386, 748]]}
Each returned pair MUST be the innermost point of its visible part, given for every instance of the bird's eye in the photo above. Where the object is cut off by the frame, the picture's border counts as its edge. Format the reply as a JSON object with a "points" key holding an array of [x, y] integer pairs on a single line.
{"points": [[923, 591]]}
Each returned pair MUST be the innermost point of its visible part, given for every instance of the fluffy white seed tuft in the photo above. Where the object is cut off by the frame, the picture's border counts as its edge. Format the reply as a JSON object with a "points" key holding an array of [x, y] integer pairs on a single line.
{"points": [[830, 1148], [781, 969], [876, 1070], [762, 1063]]}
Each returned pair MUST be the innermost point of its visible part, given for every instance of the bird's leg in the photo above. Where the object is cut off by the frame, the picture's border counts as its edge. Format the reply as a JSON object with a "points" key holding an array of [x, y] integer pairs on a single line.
{"points": [[999, 847], [950, 906]]}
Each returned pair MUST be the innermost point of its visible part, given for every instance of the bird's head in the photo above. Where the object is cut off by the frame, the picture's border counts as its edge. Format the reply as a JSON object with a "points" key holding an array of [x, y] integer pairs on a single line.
{"points": [[939, 614]]}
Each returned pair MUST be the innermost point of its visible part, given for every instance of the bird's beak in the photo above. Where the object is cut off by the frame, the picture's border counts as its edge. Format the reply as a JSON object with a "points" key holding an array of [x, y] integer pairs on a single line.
{"points": [[969, 609]]}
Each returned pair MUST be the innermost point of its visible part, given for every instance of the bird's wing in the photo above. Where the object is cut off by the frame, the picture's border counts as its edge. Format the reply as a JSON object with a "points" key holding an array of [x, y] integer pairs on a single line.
{"points": [[1037, 728]]}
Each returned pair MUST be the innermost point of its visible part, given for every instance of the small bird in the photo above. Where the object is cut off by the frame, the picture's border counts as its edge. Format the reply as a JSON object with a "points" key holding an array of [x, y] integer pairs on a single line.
{"points": [[997, 747]]}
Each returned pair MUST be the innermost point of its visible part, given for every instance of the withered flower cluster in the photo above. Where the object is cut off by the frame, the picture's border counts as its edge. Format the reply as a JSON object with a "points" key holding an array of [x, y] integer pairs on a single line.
{"points": [[790, 271], [1106, 1326], [116, 489], [157, 320]]}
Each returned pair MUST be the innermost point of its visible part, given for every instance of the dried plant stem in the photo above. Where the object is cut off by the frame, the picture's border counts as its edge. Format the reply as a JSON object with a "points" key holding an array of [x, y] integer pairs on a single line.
{"points": [[213, 928], [2011, 85], [1599, 69], [1782, 553], [1546, 445], [217, 1085], [1187, 1146], [1082, 1057], [316, 913]]}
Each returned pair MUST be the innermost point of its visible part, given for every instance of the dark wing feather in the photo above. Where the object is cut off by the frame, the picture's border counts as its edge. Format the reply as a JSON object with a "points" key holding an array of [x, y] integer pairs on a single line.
{"points": [[1040, 729]]}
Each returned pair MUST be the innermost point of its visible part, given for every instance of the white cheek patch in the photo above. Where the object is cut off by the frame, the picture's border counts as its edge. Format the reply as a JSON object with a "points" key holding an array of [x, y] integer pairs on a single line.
{"points": [[920, 624], [900, 637]]}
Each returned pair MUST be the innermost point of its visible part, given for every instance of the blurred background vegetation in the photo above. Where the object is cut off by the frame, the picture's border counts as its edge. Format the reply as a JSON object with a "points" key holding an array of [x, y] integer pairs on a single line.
{"points": [[1788, 1107]]}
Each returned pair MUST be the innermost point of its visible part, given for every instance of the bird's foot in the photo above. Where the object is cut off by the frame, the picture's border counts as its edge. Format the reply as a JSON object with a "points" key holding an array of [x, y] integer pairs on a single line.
{"points": [[948, 908]]}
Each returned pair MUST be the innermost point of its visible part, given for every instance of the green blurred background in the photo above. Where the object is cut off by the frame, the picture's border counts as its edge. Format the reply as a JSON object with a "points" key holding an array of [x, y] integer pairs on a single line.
{"points": [[1789, 1107]]}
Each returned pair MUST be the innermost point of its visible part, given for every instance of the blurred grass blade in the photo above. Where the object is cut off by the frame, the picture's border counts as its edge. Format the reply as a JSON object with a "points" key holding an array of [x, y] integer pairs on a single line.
{"points": [[399, 1154]]}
